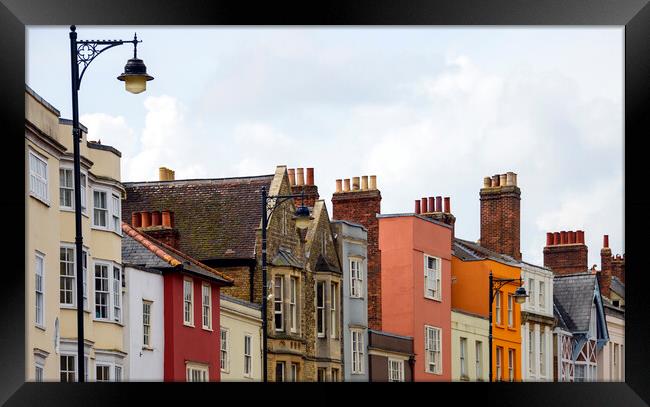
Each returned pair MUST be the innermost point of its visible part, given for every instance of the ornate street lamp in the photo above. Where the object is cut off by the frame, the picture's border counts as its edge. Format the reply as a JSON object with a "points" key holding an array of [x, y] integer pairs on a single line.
{"points": [[135, 76], [302, 219], [520, 296]]}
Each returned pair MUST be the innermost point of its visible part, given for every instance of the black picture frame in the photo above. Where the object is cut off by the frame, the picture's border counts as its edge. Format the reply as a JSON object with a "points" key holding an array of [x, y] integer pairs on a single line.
{"points": [[633, 14]]}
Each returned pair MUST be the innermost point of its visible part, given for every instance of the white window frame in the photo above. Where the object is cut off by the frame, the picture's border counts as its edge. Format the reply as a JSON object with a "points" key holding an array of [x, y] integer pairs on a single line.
{"points": [[464, 374], [358, 350], [188, 322], [248, 355], [511, 311], [356, 278], [497, 300], [320, 310], [72, 372], [202, 372], [542, 296], [293, 284], [146, 323], [432, 278], [433, 349], [395, 370], [64, 188], [224, 349], [105, 210], [542, 353], [511, 365], [36, 179], [531, 294], [115, 209], [39, 289], [206, 305], [117, 373], [107, 292], [84, 187], [106, 366], [478, 347], [334, 288], [499, 360], [116, 293], [531, 351], [68, 277], [39, 371], [278, 302]]}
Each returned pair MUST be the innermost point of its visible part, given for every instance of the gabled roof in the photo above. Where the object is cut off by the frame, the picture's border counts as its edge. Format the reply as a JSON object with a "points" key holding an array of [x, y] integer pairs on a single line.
{"points": [[560, 317], [573, 296], [323, 265], [139, 249], [470, 251], [215, 218]]}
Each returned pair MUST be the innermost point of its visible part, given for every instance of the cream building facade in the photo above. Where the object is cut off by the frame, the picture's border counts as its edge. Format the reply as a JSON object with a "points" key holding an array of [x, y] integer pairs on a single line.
{"points": [[241, 344], [611, 361], [469, 346], [50, 298]]}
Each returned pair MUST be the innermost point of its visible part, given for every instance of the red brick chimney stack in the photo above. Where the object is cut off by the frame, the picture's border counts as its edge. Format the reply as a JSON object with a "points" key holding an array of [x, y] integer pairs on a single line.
{"points": [[298, 184], [500, 214], [432, 208], [566, 252], [417, 206], [605, 274], [157, 224], [361, 206]]}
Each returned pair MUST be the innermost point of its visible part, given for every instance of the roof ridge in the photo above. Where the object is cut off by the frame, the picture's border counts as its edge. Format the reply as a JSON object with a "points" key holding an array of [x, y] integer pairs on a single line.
{"points": [[201, 179]]}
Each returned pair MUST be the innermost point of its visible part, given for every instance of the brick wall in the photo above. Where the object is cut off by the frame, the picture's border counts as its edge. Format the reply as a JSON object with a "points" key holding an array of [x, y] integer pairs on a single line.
{"points": [[566, 252], [501, 215], [362, 207], [618, 267]]}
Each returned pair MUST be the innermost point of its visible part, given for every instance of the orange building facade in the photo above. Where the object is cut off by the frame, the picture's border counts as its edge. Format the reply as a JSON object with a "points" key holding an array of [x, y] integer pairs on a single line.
{"points": [[416, 286], [470, 268]]}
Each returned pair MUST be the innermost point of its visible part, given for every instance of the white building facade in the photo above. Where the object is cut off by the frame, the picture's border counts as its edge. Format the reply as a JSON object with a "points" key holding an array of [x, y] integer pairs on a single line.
{"points": [[537, 324], [241, 344]]}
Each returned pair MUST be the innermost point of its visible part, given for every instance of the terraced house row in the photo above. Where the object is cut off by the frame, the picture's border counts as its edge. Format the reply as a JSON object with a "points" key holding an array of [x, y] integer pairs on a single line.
{"points": [[173, 280]]}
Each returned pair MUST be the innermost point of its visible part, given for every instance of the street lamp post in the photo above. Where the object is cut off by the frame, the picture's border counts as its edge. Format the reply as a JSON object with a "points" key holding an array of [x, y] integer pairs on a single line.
{"points": [[519, 296], [135, 78], [302, 219]]}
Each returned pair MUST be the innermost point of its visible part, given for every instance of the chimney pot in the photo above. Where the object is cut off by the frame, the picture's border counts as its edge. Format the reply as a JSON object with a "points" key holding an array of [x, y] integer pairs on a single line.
{"points": [[292, 176], [514, 179], [346, 185], [572, 237], [487, 182], [495, 180], [431, 205], [355, 183], [510, 179], [556, 238], [425, 209], [162, 174], [310, 176], [447, 204], [166, 219], [372, 182], [438, 204], [549, 239], [300, 176], [339, 185], [146, 219], [155, 218], [580, 236], [605, 241], [136, 219], [563, 237], [364, 183], [503, 180], [417, 206]]}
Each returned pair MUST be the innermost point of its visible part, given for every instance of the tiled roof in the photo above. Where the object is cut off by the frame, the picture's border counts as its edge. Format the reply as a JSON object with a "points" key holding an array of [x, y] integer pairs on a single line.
{"points": [[215, 218], [573, 295], [617, 286], [145, 251], [560, 318], [466, 250], [323, 265]]}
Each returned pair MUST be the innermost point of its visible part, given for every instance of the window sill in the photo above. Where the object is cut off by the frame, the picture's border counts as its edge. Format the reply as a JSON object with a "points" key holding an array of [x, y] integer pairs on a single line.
{"points": [[148, 348], [207, 329], [72, 307], [108, 321], [41, 327], [188, 325], [71, 210], [432, 299], [321, 336], [41, 200]]}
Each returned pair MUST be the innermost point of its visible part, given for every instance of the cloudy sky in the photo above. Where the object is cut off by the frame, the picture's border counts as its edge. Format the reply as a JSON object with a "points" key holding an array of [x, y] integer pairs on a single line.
{"points": [[430, 111]]}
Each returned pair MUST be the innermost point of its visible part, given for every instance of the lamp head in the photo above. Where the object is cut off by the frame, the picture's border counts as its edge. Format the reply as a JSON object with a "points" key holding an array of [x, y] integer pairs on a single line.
{"points": [[520, 295], [302, 217], [135, 76]]}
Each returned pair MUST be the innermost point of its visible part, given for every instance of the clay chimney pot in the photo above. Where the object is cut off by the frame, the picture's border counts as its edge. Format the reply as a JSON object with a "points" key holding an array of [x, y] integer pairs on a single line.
{"points": [[310, 176]]}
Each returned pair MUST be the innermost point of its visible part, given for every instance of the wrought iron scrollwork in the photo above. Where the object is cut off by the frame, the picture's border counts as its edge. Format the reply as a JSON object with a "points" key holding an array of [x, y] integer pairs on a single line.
{"points": [[88, 50]]}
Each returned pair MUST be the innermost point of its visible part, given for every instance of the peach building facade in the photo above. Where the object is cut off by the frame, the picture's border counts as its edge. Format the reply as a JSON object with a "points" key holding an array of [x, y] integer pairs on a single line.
{"points": [[415, 254]]}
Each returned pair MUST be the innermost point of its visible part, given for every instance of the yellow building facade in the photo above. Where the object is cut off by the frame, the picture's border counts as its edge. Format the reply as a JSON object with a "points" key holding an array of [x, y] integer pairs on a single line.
{"points": [[469, 346], [50, 274]]}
